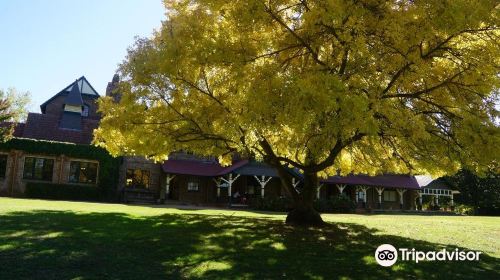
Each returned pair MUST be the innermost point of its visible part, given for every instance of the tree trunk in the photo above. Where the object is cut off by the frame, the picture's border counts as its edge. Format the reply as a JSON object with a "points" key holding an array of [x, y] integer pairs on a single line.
{"points": [[303, 212], [304, 215]]}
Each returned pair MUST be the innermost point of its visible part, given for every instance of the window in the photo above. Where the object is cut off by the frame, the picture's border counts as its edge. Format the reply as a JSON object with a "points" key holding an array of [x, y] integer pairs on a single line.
{"points": [[85, 110], [38, 168], [83, 172], [360, 195], [137, 178], [193, 185], [251, 189], [390, 196], [3, 165]]}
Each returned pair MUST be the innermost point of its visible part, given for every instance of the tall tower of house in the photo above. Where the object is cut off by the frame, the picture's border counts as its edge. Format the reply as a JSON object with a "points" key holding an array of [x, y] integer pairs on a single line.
{"points": [[68, 116], [73, 107]]}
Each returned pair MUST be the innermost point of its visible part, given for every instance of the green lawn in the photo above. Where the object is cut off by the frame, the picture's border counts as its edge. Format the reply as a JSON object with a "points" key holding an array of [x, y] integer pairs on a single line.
{"points": [[64, 240]]}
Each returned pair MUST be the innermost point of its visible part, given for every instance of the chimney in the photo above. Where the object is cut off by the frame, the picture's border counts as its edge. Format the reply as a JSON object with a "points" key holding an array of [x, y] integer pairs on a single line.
{"points": [[111, 89]]}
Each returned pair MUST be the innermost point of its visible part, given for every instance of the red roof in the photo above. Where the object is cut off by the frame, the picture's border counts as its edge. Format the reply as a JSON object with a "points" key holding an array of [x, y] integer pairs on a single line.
{"points": [[387, 181], [18, 128], [46, 127], [199, 167]]}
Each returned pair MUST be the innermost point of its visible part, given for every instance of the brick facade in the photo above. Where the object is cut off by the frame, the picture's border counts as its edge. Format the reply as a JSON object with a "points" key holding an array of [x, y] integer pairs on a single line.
{"points": [[203, 171], [14, 183]]}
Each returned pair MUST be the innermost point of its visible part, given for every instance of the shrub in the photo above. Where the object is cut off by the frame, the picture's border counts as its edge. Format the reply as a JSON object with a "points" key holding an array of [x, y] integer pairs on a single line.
{"points": [[464, 209], [279, 204], [430, 207], [62, 191], [337, 204]]}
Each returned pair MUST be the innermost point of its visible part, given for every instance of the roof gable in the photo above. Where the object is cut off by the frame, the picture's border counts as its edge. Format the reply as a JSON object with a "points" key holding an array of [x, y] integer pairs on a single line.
{"points": [[83, 86]]}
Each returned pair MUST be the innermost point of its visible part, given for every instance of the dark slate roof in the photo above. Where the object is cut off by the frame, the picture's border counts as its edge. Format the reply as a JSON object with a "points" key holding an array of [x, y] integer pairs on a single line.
{"points": [[199, 167], [83, 85], [204, 167], [387, 181], [257, 168], [46, 127], [74, 97], [439, 183]]}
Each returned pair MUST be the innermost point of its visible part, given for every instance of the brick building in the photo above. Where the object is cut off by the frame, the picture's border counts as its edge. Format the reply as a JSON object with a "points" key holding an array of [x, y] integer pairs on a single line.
{"points": [[71, 115]]}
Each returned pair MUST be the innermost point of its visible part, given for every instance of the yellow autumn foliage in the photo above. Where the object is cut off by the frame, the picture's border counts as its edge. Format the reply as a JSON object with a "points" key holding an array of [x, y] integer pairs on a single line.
{"points": [[365, 86]]}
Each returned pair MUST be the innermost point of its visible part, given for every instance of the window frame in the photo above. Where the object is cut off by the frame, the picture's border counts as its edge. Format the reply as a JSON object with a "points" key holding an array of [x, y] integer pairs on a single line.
{"points": [[138, 186], [360, 196], [193, 185], [33, 169], [390, 193], [78, 173]]}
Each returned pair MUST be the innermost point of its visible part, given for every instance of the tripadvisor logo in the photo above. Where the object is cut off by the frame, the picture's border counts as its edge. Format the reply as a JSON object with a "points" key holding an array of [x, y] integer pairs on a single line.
{"points": [[387, 255]]}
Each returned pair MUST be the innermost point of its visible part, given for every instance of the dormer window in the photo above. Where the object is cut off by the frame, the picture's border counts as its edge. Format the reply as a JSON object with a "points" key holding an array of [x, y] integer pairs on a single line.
{"points": [[85, 110]]}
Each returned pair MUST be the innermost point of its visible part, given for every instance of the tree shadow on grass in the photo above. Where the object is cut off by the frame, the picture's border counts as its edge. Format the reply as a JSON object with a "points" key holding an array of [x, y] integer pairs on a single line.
{"points": [[63, 245]]}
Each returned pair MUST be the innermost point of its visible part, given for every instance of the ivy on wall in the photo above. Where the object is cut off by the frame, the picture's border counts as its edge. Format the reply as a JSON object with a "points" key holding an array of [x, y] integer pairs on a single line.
{"points": [[108, 165]]}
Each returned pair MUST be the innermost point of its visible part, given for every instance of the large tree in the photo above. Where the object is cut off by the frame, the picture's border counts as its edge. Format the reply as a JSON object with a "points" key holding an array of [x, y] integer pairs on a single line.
{"points": [[361, 86], [482, 193]]}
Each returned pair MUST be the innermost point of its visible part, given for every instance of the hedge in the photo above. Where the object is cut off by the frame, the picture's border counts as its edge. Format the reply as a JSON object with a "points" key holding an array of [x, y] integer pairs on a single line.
{"points": [[62, 191], [108, 165], [278, 204], [336, 204]]}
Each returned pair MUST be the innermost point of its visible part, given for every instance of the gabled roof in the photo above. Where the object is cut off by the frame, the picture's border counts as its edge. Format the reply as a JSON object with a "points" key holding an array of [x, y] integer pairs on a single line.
{"points": [[424, 180], [83, 86], [74, 96], [440, 183]]}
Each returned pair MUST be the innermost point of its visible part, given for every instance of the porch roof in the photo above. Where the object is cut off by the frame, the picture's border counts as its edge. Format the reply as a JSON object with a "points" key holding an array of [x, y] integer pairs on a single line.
{"points": [[387, 181], [199, 167], [440, 184], [256, 168]]}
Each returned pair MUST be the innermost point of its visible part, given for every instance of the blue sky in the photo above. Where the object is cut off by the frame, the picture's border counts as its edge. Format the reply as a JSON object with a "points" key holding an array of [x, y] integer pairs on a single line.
{"points": [[47, 44]]}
